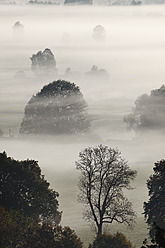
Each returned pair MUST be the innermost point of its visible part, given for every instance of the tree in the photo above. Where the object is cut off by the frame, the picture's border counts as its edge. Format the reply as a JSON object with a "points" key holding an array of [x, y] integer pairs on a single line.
{"points": [[117, 240], [134, 2], [23, 188], [17, 230], [52, 236], [78, 2], [59, 108], [158, 240], [99, 32], [154, 209], [97, 73], [13, 228], [67, 238], [148, 113], [104, 175], [43, 62]]}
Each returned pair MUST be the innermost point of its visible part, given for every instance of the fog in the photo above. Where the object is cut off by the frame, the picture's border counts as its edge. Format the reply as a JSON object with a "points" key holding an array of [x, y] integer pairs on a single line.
{"points": [[132, 53]]}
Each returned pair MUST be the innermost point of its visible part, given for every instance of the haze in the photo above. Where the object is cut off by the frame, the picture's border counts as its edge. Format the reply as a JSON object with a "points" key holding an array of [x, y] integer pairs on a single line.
{"points": [[133, 55]]}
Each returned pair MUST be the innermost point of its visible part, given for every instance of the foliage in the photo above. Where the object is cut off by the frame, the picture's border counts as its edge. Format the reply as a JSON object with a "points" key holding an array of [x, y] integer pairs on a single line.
{"points": [[67, 238], [149, 112], [23, 232], [154, 209], [23, 188], [158, 241], [104, 175], [13, 227], [47, 235], [58, 108], [43, 61], [117, 240]]}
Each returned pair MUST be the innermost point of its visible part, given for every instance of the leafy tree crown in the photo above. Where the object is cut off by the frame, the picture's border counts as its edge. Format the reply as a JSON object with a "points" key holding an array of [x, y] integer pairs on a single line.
{"points": [[23, 188]]}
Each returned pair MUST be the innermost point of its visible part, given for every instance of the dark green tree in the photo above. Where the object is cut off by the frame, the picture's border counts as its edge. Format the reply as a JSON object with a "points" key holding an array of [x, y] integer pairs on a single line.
{"points": [[67, 238], [13, 228], [24, 188], [154, 209], [52, 236], [117, 240], [104, 175], [23, 232], [158, 241], [59, 108], [148, 113]]}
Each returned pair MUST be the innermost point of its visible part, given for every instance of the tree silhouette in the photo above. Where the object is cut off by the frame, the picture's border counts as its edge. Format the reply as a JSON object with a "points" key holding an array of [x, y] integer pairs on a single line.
{"points": [[59, 108], [154, 209], [23, 188], [158, 241], [104, 175]]}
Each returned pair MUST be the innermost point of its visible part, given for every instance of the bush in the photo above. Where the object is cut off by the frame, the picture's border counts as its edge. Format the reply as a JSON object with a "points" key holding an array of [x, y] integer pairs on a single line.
{"points": [[117, 240]]}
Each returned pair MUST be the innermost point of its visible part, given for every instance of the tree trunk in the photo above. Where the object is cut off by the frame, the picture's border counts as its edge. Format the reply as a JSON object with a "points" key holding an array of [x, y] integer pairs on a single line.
{"points": [[99, 232]]}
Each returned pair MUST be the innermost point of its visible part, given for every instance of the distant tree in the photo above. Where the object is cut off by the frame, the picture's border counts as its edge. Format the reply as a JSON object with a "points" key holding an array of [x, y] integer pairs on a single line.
{"points": [[43, 62], [104, 175], [59, 108], [134, 2], [78, 2], [117, 240], [35, 2], [23, 188], [97, 73], [71, 75], [149, 112], [17, 26], [154, 209], [99, 32]]}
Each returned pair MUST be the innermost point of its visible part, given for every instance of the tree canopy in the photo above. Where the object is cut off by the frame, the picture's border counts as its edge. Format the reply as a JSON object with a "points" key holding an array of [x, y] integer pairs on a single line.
{"points": [[59, 108], [43, 62], [158, 241], [104, 175], [117, 240], [154, 209], [23, 188], [13, 228], [149, 112], [17, 230]]}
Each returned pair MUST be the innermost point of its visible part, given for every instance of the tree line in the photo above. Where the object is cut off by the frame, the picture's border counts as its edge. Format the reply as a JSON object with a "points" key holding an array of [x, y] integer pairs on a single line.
{"points": [[29, 208]]}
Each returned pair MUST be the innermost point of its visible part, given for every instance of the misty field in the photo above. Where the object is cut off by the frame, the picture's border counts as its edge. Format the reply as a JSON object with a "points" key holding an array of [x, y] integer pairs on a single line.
{"points": [[132, 53]]}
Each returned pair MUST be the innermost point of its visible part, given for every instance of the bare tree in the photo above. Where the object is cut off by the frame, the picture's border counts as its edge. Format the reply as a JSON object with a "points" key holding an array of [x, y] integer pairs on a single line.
{"points": [[104, 175]]}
